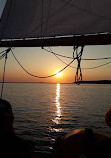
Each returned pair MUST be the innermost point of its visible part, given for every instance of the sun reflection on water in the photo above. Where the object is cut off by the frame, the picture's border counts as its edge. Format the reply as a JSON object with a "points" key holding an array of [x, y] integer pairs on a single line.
{"points": [[57, 118]]}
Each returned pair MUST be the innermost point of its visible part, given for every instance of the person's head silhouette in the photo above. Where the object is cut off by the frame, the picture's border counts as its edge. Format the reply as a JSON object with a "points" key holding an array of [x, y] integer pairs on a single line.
{"points": [[11, 144], [108, 117], [6, 117]]}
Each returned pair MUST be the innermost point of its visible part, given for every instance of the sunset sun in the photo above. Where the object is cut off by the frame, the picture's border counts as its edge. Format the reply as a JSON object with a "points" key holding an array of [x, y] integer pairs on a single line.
{"points": [[59, 74]]}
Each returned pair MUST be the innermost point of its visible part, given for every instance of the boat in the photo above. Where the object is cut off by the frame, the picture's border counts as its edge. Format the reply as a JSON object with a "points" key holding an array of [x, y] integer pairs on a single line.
{"points": [[46, 23], [86, 142], [83, 143]]}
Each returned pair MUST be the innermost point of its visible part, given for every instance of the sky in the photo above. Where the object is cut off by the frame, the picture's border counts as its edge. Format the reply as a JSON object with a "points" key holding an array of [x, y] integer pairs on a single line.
{"points": [[42, 63], [2, 4]]}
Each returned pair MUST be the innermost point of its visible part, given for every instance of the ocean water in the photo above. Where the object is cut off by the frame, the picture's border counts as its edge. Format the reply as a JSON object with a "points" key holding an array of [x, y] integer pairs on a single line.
{"points": [[44, 112]]}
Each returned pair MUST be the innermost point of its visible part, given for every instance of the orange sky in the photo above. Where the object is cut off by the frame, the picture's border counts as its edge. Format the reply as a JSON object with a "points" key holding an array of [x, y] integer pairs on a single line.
{"points": [[41, 63]]}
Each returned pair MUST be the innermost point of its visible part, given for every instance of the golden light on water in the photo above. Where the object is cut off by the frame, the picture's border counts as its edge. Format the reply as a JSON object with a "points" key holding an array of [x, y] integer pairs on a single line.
{"points": [[57, 119], [58, 112]]}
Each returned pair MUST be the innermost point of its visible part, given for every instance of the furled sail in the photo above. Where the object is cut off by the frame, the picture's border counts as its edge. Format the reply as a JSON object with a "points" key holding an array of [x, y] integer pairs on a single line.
{"points": [[55, 20]]}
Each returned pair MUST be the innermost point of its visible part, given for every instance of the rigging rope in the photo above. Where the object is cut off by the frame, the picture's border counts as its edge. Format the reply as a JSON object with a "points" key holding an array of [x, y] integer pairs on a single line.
{"points": [[56, 53], [5, 54], [50, 51], [97, 66], [40, 76], [82, 59], [78, 76]]}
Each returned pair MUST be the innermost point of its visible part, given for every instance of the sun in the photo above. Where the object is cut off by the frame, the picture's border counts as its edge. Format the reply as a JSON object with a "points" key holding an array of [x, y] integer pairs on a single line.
{"points": [[59, 74]]}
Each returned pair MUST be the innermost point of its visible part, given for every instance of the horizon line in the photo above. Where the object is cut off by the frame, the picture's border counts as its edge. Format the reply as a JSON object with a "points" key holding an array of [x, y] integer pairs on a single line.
{"points": [[60, 82]]}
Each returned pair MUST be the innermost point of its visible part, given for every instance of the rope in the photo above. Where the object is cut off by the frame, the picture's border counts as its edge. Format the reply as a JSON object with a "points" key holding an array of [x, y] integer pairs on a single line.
{"points": [[3, 55], [3, 51], [81, 59], [97, 66], [60, 59], [40, 76], [50, 51], [78, 76], [7, 51], [57, 54], [99, 58]]}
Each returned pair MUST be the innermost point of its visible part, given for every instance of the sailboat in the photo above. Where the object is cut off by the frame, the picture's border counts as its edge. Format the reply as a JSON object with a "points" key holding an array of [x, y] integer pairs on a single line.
{"points": [[43, 23]]}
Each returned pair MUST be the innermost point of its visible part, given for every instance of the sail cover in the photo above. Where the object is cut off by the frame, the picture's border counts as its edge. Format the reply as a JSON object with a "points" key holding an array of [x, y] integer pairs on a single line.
{"points": [[23, 19]]}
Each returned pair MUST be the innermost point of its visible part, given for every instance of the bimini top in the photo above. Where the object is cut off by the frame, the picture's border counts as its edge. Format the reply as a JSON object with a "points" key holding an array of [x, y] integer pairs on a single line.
{"points": [[49, 19]]}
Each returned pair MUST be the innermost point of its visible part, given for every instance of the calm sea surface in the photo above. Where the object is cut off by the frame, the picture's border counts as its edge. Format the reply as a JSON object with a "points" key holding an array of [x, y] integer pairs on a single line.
{"points": [[44, 112]]}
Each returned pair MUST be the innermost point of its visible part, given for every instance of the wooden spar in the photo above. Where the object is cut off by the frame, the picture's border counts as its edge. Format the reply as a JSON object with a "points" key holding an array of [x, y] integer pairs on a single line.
{"points": [[98, 39]]}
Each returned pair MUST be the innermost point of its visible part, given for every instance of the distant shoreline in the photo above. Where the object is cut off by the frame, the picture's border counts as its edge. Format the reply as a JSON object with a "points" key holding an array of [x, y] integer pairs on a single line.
{"points": [[81, 82], [96, 82]]}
